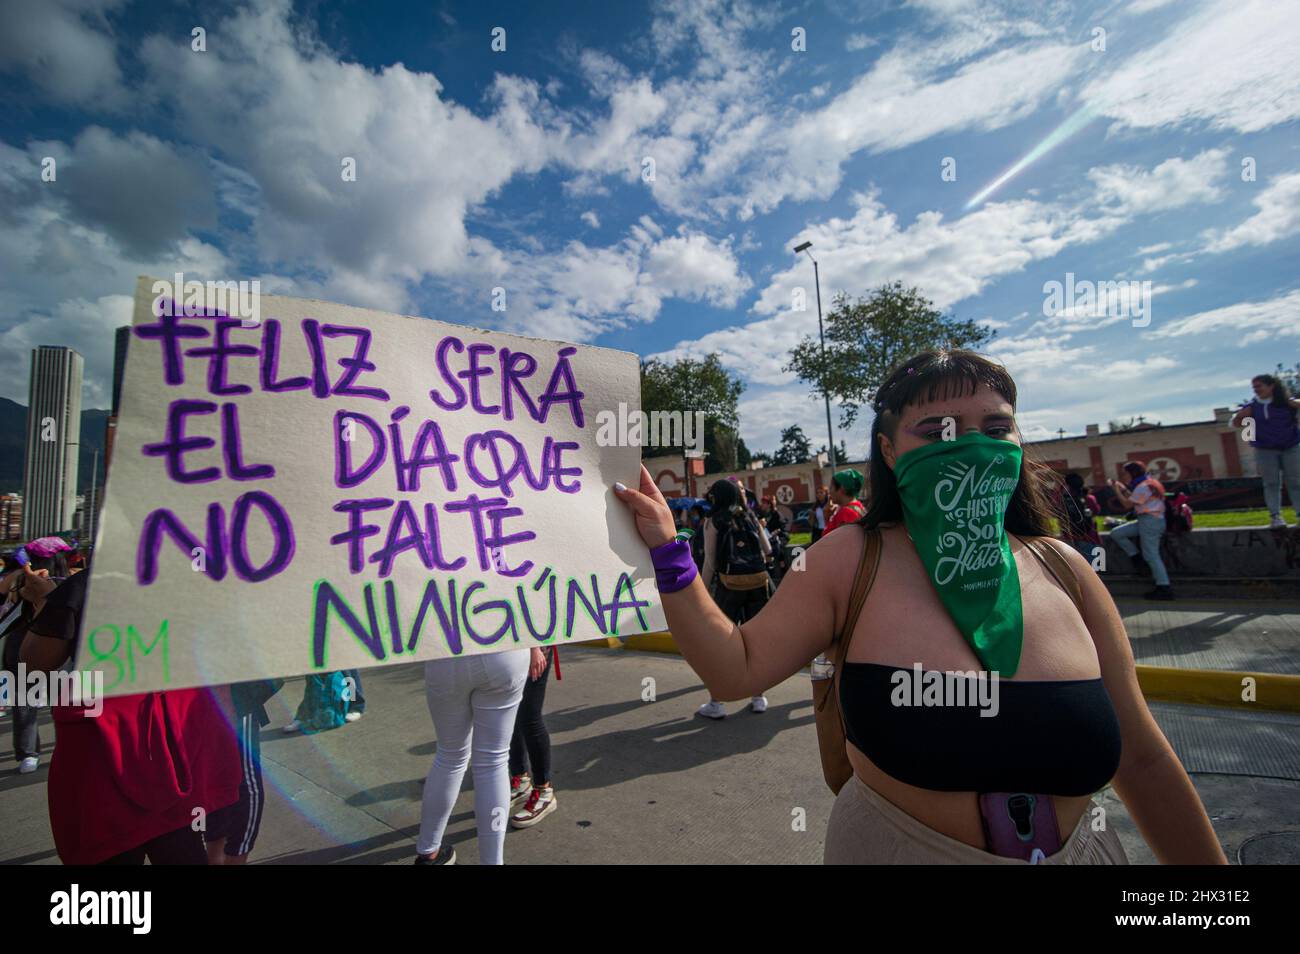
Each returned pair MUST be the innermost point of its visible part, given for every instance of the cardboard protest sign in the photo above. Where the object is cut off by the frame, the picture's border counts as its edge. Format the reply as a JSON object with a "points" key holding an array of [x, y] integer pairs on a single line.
{"points": [[322, 487]]}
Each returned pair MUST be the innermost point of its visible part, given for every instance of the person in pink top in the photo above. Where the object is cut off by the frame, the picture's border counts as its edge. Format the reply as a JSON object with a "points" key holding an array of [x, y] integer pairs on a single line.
{"points": [[1146, 496]]}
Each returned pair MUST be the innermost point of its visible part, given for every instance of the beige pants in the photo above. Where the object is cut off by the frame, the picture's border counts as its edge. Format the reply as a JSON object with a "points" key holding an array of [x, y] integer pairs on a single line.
{"points": [[866, 829]]}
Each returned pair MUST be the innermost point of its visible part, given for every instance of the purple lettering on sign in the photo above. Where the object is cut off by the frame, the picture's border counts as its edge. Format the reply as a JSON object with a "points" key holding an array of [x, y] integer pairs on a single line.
{"points": [[357, 531], [515, 367], [232, 450], [327, 600], [176, 444], [270, 362], [353, 366], [472, 375], [441, 357], [169, 333], [281, 534], [475, 507], [496, 540], [344, 474], [218, 353], [563, 374], [163, 521], [320, 384], [507, 625]]}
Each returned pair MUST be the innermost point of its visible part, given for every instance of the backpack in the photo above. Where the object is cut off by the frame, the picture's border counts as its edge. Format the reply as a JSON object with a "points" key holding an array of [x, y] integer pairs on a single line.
{"points": [[739, 550], [832, 739], [1178, 513]]}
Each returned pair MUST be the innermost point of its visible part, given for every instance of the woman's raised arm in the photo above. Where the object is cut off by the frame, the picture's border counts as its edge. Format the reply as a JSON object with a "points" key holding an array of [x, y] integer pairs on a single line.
{"points": [[736, 662]]}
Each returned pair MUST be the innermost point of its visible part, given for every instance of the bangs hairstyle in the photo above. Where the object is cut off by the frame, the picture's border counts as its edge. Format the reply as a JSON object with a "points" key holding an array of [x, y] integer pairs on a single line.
{"points": [[940, 375]]}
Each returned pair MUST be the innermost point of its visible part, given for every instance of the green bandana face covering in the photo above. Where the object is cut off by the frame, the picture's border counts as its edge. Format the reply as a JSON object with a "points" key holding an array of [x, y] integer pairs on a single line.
{"points": [[955, 496]]}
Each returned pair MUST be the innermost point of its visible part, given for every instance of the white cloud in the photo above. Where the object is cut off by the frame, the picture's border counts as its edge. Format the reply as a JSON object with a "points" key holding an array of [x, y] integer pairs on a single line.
{"points": [[1174, 183], [1249, 322], [591, 219], [1278, 218], [1232, 65]]}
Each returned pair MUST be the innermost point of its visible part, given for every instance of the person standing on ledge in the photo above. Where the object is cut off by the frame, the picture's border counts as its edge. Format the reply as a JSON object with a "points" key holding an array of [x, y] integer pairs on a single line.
{"points": [[1146, 496], [1276, 443]]}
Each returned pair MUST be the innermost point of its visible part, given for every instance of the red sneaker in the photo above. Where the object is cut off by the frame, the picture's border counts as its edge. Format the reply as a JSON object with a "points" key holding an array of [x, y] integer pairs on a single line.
{"points": [[541, 802]]}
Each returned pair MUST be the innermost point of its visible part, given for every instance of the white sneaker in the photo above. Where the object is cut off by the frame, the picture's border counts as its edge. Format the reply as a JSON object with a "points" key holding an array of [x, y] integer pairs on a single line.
{"points": [[352, 717], [294, 726], [28, 765], [758, 704], [1277, 523], [712, 710]]}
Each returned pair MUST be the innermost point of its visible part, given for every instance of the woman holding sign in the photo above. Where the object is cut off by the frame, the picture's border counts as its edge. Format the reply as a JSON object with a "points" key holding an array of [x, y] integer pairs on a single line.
{"points": [[1030, 701]]}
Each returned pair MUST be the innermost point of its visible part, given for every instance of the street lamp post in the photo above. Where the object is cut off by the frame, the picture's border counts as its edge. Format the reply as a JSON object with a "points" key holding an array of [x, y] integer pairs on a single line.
{"points": [[821, 334]]}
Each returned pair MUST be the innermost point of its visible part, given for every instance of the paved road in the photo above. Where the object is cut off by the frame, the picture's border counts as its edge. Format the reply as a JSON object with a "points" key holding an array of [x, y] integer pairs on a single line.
{"points": [[646, 782]]}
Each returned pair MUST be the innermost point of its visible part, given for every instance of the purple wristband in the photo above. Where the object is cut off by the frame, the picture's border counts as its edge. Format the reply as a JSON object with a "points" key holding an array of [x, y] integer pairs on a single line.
{"points": [[674, 567]]}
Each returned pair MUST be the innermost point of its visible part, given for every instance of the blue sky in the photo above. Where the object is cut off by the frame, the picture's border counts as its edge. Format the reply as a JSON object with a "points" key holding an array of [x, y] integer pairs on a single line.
{"points": [[524, 169]]}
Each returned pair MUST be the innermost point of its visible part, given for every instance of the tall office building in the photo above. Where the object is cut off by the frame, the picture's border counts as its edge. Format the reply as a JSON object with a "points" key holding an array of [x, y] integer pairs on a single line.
{"points": [[121, 339], [53, 441]]}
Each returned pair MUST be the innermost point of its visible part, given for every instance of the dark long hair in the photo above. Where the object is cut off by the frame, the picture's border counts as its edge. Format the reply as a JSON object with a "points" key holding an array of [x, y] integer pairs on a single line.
{"points": [[940, 374], [1281, 396], [724, 502]]}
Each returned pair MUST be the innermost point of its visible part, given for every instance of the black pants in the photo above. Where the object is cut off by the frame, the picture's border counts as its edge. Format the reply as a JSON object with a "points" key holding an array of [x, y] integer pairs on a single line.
{"points": [[27, 741], [530, 745], [184, 846], [740, 605], [239, 823]]}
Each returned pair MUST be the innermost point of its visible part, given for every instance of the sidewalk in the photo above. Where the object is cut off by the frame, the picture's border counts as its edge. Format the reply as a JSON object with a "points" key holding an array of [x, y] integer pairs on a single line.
{"points": [[646, 782]]}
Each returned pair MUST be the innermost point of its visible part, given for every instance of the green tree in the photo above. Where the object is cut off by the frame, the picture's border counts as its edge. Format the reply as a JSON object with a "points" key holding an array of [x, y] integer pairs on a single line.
{"points": [[867, 337], [689, 385], [795, 447], [841, 452]]}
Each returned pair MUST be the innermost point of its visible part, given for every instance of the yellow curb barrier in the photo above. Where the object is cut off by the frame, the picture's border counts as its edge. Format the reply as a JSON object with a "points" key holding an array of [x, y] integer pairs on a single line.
{"points": [[1221, 687], [1206, 687]]}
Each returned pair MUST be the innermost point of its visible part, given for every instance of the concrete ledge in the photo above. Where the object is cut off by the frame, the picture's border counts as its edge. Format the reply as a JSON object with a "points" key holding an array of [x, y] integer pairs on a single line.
{"points": [[1219, 687], [1206, 687]]}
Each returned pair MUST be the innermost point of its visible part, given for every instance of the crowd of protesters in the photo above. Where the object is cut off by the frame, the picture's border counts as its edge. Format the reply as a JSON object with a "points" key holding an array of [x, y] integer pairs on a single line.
{"points": [[128, 785]]}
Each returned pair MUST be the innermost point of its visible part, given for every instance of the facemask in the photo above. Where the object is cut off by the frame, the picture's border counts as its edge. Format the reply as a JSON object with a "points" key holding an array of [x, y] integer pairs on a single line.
{"points": [[955, 496]]}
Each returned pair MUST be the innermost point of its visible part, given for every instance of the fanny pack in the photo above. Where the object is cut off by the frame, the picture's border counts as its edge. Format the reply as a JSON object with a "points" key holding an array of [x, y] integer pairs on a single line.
{"points": [[744, 581]]}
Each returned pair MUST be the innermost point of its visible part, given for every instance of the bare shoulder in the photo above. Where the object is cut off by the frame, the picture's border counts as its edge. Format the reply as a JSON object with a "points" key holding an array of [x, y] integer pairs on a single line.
{"points": [[833, 561]]}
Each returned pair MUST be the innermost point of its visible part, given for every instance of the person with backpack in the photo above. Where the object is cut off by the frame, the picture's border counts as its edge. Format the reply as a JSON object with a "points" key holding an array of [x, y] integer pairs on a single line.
{"points": [[1079, 512], [1146, 496], [736, 549], [845, 487], [1276, 443], [953, 570]]}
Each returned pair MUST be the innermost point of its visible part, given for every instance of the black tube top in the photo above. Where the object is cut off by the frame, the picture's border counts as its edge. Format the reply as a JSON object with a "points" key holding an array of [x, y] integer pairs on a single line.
{"points": [[1049, 738]]}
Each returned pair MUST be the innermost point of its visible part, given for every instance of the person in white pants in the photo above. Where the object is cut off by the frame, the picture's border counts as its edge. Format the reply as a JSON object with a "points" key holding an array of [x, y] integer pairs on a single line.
{"points": [[473, 700]]}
